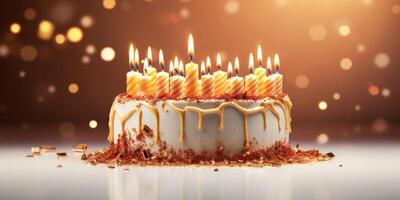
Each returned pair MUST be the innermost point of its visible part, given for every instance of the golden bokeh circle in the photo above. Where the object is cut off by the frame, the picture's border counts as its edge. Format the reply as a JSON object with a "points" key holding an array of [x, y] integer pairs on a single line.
{"points": [[322, 138], [232, 7], [317, 32], [385, 92], [109, 4], [346, 63], [15, 28], [107, 54], [302, 81], [344, 30], [87, 21], [59, 39], [336, 96], [373, 90], [73, 88], [93, 124], [74, 34], [382, 60], [323, 105], [90, 49]]}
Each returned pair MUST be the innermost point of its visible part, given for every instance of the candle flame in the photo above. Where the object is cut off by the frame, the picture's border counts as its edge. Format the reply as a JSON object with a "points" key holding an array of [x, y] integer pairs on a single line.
{"points": [[181, 69], [145, 66], [149, 55], [137, 61], [161, 59], [131, 55], [237, 66], [269, 65], [276, 62], [219, 61], [251, 63], [171, 68], [176, 62], [208, 64], [259, 55], [190, 47], [230, 70], [203, 68]]}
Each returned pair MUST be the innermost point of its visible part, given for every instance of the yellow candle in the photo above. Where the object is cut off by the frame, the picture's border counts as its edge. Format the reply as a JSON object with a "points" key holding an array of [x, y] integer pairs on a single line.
{"points": [[152, 73], [220, 79], [176, 84], [132, 77], [162, 77], [237, 88], [278, 90], [251, 80], [207, 82], [268, 81], [260, 72], [144, 80], [191, 72]]}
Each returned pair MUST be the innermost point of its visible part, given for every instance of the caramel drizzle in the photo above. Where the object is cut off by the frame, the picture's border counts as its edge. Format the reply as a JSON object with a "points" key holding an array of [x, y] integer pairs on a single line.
{"points": [[264, 108]]}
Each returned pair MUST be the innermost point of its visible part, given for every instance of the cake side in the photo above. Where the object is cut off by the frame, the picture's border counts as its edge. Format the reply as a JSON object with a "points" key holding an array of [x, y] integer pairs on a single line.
{"points": [[204, 125]]}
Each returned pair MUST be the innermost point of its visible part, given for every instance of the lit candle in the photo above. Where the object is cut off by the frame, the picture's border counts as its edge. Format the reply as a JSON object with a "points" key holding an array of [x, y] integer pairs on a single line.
{"points": [[152, 73], [207, 81], [145, 79], [278, 90], [268, 81], [191, 71], [251, 79], [176, 83], [260, 72], [133, 76], [162, 78], [220, 79], [237, 88], [229, 81]]}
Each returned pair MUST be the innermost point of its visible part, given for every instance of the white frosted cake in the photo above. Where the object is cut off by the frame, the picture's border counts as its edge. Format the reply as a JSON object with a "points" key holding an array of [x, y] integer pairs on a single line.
{"points": [[203, 125]]}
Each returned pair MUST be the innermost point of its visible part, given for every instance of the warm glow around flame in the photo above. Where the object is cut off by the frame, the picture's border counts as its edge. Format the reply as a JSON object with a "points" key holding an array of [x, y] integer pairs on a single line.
{"points": [[190, 46], [219, 62], [203, 68], [131, 55], [137, 61], [208, 64], [149, 55], [161, 58], [259, 55], [269, 64], [251, 63], [237, 65], [230, 70], [171, 68], [276, 61]]}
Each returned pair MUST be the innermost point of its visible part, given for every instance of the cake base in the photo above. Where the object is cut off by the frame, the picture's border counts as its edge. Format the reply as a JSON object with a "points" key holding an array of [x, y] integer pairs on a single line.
{"points": [[203, 125]]}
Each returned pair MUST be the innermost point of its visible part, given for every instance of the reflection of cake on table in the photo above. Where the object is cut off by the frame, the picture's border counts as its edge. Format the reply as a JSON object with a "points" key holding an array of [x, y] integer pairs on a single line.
{"points": [[184, 117]]}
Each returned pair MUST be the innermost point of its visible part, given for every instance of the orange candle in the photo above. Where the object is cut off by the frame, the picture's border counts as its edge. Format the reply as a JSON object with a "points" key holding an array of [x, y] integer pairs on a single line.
{"points": [[260, 72], [220, 79], [278, 90], [176, 84], [237, 82], [269, 81], [207, 82], [229, 81], [251, 79], [191, 72], [133, 76], [162, 77]]}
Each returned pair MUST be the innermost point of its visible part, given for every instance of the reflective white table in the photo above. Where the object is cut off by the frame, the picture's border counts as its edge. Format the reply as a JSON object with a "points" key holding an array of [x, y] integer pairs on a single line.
{"points": [[369, 171]]}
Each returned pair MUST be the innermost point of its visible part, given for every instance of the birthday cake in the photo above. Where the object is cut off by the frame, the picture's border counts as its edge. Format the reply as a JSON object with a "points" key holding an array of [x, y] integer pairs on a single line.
{"points": [[201, 118]]}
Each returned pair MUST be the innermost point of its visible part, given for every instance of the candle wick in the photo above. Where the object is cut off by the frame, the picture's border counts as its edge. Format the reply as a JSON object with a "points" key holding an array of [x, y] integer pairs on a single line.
{"points": [[237, 72], [162, 67], [191, 57]]}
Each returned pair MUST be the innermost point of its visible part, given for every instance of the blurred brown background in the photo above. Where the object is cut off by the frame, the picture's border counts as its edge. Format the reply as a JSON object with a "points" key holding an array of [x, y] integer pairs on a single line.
{"points": [[55, 67]]}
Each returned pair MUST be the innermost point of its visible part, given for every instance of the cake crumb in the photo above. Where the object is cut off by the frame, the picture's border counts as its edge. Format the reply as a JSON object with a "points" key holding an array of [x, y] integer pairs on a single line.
{"points": [[340, 165], [61, 154], [59, 166], [35, 150], [29, 156], [216, 169], [80, 147]]}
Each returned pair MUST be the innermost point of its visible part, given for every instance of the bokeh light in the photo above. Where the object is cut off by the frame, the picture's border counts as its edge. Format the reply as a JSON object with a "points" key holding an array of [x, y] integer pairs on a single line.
{"points": [[361, 48], [396, 9], [322, 139], [281, 3], [323, 105], [4, 50], [109, 4], [28, 53], [51, 89], [367, 2], [317, 32], [184, 13], [382, 60], [15, 28], [232, 7], [336, 96], [346, 63], [344, 30], [93, 124], [302, 81], [67, 129], [90, 49], [22, 74], [373, 90], [107, 54], [73, 88], [74, 34], [357, 107], [87, 21], [85, 59], [45, 30], [380, 125], [385, 92], [59, 39], [30, 14]]}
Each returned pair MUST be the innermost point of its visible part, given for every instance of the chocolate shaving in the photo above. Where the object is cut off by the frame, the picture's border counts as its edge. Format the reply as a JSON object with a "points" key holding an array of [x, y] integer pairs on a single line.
{"points": [[216, 169], [29, 156], [59, 166], [330, 155], [44, 148], [128, 151], [61, 154], [147, 131], [35, 150], [80, 148]]}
